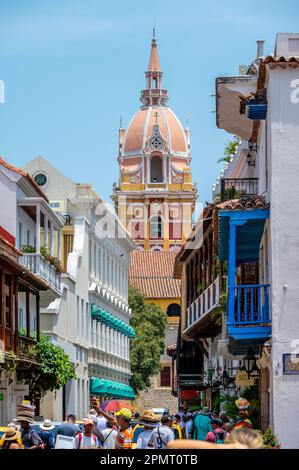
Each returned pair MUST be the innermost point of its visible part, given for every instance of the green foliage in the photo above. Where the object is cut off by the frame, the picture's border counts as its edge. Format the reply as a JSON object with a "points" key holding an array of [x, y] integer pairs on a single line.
{"points": [[148, 321], [10, 361], [217, 312], [270, 440], [229, 150], [228, 401], [23, 332], [52, 260], [55, 368], [28, 249]]}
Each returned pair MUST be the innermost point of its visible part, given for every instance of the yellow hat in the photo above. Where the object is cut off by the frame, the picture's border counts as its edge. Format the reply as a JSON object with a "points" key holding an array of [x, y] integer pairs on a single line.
{"points": [[124, 412]]}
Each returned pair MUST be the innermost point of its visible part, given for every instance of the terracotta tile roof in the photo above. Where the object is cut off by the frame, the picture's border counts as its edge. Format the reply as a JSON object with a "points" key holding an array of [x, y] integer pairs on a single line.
{"points": [[26, 175], [255, 202], [152, 273]]}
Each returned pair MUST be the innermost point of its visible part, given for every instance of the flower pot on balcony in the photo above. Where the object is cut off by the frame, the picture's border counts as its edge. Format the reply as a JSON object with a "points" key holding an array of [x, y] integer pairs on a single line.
{"points": [[256, 111]]}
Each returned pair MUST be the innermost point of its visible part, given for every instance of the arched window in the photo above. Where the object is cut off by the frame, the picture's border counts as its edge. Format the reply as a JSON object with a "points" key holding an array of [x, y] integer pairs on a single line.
{"points": [[156, 170], [173, 310], [156, 226]]}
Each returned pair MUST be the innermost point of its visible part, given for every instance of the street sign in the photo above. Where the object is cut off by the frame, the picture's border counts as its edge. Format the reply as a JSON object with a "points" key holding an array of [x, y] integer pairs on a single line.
{"points": [[1, 397], [290, 364]]}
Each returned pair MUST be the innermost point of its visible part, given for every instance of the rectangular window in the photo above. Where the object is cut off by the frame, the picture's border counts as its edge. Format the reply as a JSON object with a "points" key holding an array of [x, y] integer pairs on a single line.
{"points": [[20, 234], [21, 319], [165, 379]]}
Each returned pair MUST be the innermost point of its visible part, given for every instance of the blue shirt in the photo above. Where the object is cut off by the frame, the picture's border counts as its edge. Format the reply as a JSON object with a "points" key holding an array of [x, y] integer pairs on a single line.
{"points": [[67, 429], [202, 425]]}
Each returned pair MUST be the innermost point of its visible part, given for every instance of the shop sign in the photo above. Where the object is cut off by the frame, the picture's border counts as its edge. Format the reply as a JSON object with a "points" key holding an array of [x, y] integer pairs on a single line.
{"points": [[188, 394], [290, 364], [1, 397], [242, 379]]}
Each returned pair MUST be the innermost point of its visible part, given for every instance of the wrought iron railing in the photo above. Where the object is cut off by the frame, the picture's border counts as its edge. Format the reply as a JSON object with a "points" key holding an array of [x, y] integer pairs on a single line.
{"points": [[233, 188]]}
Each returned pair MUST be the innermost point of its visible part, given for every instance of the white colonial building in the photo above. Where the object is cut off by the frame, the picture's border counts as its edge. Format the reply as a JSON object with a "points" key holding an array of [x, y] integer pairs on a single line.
{"points": [[90, 320], [26, 224], [264, 224]]}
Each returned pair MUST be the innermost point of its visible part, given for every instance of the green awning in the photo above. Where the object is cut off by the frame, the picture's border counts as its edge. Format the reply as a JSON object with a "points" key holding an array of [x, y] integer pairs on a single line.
{"points": [[110, 388], [112, 321]]}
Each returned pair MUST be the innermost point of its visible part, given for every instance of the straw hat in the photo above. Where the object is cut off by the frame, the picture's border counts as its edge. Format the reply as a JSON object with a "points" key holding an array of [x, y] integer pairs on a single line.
{"points": [[47, 425], [25, 413], [11, 434], [149, 417]]}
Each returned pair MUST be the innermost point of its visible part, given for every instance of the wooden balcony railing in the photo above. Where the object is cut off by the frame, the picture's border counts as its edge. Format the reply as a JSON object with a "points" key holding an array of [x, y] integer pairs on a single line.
{"points": [[248, 305], [206, 302]]}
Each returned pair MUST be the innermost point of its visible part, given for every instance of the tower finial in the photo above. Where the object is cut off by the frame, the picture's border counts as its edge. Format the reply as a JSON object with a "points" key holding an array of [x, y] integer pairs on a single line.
{"points": [[154, 28]]}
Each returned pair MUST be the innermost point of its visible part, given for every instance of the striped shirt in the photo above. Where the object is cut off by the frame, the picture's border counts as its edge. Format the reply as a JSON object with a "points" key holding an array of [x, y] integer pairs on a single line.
{"points": [[124, 439]]}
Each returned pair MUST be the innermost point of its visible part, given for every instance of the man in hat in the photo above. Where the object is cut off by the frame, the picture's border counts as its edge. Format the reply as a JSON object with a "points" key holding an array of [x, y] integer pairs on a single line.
{"points": [[149, 421], [162, 434], [46, 434], [86, 439], [124, 438], [202, 424], [29, 436]]}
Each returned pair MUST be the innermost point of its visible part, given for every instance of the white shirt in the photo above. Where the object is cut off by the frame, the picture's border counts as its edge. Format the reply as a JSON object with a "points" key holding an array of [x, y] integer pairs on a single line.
{"points": [[143, 438], [86, 442], [109, 436], [160, 437], [101, 423]]}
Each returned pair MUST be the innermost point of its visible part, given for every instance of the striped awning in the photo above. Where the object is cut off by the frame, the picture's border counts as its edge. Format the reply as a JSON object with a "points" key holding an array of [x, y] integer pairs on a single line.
{"points": [[109, 388], [112, 321]]}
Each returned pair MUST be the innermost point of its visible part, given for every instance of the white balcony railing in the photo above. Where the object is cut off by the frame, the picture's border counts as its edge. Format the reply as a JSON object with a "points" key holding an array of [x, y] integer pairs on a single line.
{"points": [[206, 302], [37, 264]]}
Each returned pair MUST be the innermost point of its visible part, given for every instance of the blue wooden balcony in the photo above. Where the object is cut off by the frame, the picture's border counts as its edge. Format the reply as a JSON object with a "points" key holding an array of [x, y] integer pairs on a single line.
{"points": [[249, 312]]}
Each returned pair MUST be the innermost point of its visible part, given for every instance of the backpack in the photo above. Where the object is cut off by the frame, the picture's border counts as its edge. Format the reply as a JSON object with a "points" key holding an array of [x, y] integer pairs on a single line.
{"points": [[80, 439], [219, 437]]}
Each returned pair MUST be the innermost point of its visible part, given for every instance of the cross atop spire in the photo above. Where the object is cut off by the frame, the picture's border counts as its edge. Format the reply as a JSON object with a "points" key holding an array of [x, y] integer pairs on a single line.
{"points": [[154, 94]]}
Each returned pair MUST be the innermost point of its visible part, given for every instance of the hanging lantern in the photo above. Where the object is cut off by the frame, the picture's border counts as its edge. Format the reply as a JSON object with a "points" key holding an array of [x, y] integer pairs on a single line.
{"points": [[249, 362]]}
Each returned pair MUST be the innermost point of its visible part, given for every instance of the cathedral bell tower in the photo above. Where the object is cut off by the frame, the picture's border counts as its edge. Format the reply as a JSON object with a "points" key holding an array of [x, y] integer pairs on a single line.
{"points": [[155, 197]]}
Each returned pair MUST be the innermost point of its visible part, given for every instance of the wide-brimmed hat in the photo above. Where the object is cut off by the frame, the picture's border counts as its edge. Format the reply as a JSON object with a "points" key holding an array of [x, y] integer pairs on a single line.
{"points": [[149, 417], [11, 434], [25, 412], [47, 425]]}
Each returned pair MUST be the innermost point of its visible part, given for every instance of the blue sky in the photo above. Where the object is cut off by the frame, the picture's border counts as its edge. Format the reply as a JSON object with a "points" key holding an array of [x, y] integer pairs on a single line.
{"points": [[72, 67]]}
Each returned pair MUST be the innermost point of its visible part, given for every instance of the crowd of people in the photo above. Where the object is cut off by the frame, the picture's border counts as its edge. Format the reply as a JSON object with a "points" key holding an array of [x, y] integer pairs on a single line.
{"points": [[125, 430]]}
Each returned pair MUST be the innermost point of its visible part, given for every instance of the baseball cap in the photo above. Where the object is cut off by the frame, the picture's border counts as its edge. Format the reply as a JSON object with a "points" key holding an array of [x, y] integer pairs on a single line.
{"points": [[125, 412]]}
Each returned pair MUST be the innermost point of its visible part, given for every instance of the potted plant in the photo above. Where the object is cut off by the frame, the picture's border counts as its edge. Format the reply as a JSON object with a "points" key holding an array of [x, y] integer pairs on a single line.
{"points": [[256, 105], [28, 249], [270, 440]]}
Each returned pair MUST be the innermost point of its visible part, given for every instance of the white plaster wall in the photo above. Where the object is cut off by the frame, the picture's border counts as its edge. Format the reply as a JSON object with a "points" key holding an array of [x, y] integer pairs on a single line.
{"points": [[8, 204], [283, 138]]}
